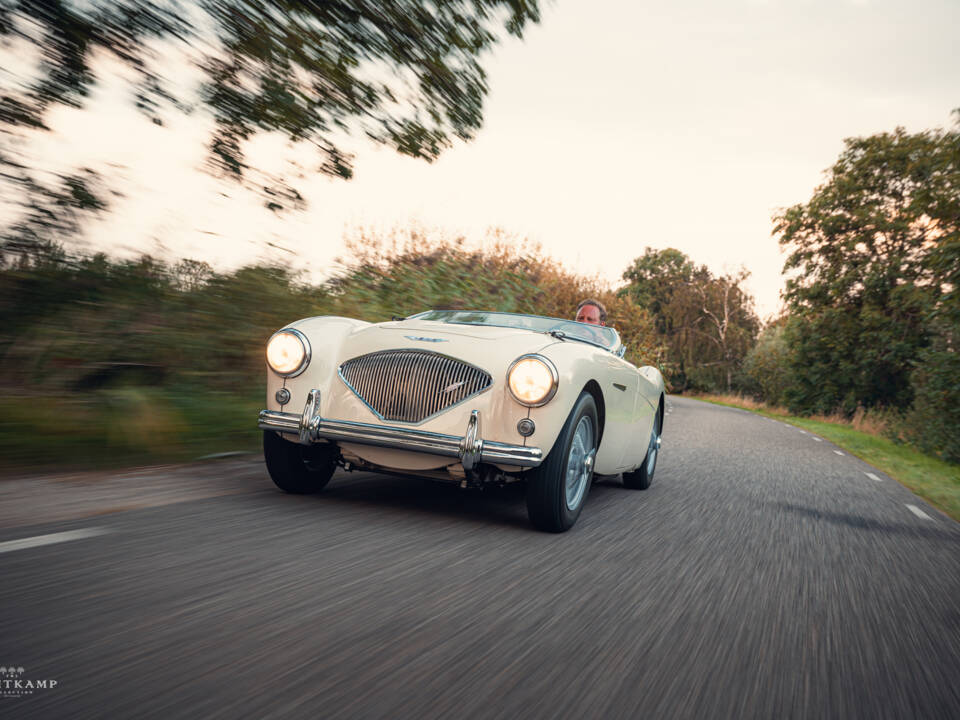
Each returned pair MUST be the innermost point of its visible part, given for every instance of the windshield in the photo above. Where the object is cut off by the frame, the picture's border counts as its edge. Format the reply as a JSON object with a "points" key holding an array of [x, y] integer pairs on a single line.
{"points": [[605, 337]]}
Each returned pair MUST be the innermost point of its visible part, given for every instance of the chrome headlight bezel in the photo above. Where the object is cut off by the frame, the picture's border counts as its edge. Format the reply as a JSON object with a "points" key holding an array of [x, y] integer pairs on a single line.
{"points": [[554, 375], [305, 360]]}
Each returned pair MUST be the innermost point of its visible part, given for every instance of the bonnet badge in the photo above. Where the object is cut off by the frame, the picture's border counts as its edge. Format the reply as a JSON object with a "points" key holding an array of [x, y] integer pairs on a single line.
{"points": [[425, 339]]}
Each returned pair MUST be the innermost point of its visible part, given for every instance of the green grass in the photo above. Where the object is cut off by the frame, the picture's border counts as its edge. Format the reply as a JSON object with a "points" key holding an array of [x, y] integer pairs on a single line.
{"points": [[936, 481], [125, 426]]}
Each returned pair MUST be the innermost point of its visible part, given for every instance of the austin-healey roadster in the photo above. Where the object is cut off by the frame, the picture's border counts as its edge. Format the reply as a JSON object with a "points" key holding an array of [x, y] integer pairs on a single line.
{"points": [[470, 397]]}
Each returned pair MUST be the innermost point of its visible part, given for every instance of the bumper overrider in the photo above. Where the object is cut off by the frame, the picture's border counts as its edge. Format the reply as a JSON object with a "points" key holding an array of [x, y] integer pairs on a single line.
{"points": [[470, 448]]}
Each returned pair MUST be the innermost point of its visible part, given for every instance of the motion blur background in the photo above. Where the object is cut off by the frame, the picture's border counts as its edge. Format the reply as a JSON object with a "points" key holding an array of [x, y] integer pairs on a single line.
{"points": [[179, 180]]}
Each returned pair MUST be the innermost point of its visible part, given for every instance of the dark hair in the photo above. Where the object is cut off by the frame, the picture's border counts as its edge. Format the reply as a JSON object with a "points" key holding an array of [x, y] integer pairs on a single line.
{"points": [[597, 304]]}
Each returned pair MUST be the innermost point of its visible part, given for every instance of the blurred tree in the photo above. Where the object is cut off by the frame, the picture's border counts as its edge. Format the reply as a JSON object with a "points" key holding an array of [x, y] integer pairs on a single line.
{"points": [[146, 357], [47, 212], [872, 262], [404, 73], [409, 272]]}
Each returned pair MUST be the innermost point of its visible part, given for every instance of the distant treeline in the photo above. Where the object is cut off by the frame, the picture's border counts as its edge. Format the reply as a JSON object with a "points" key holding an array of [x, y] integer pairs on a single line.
{"points": [[873, 291], [111, 360], [872, 303]]}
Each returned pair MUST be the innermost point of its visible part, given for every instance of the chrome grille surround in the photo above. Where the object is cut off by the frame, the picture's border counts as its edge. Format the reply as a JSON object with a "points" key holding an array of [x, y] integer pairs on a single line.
{"points": [[412, 386]]}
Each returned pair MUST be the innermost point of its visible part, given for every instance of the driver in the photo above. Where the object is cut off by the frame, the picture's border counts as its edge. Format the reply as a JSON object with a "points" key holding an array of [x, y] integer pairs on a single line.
{"points": [[592, 312]]}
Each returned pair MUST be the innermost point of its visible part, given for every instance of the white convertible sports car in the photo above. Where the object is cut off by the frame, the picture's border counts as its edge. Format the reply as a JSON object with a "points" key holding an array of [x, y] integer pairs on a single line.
{"points": [[471, 397]]}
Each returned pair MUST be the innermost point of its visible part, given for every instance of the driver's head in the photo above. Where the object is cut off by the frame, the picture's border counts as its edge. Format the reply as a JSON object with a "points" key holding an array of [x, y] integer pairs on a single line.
{"points": [[592, 311]]}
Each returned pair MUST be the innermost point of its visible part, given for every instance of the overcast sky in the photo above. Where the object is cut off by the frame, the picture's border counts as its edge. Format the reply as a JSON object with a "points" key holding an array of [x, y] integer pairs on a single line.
{"points": [[610, 127]]}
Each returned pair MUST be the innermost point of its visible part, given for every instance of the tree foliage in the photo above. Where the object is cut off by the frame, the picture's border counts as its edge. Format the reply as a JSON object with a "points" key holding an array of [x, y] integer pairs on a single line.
{"points": [[143, 356], [406, 73], [764, 372], [705, 324], [403, 73], [411, 272], [871, 264]]}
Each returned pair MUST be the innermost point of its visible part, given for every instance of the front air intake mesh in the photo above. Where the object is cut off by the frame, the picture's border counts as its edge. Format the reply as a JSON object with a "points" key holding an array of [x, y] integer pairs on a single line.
{"points": [[412, 385]]}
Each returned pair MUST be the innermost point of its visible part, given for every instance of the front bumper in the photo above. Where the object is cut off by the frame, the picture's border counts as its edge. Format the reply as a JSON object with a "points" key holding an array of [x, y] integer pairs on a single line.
{"points": [[470, 448]]}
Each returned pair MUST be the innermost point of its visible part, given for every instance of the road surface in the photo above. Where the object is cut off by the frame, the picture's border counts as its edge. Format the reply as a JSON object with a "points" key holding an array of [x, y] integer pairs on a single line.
{"points": [[765, 574]]}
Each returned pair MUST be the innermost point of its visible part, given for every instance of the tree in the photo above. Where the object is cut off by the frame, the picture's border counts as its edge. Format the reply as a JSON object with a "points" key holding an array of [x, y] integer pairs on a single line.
{"points": [[404, 73], [705, 323], [411, 270], [652, 277], [765, 372], [651, 281], [869, 267], [727, 319]]}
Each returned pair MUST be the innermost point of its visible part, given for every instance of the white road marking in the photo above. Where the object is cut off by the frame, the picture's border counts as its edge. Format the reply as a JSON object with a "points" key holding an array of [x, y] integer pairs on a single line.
{"points": [[39, 540], [816, 438], [838, 452], [803, 432], [873, 477], [918, 512]]}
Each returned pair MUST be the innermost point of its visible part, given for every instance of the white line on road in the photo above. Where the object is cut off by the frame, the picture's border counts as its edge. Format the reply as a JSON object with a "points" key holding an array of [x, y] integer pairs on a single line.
{"points": [[803, 432], [918, 512], [38, 540], [816, 438], [838, 452], [873, 477]]}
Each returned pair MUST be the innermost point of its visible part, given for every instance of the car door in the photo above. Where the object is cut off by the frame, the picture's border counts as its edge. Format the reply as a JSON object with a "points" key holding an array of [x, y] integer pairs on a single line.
{"points": [[646, 403], [623, 392]]}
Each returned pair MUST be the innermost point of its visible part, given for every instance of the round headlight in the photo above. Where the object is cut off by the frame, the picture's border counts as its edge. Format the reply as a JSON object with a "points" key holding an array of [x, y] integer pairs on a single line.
{"points": [[532, 380], [288, 352]]}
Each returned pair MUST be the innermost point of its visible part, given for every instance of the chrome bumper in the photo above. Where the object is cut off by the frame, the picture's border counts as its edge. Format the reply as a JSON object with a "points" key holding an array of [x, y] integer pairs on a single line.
{"points": [[470, 448]]}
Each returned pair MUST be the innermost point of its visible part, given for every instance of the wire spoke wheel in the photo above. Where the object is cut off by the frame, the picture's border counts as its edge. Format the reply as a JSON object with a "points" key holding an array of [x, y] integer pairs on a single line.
{"points": [[641, 478], [557, 489], [579, 463]]}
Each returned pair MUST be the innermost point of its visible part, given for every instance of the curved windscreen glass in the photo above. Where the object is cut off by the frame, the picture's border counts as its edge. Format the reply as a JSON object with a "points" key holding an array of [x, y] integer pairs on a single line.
{"points": [[605, 337]]}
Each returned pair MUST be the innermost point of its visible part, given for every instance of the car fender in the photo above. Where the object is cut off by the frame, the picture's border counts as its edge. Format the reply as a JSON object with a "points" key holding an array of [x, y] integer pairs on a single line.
{"points": [[583, 367], [325, 333]]}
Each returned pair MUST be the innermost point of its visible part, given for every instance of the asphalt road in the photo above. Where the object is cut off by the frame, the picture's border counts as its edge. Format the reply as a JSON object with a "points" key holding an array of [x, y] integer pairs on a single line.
{"points": [[763, 575]]}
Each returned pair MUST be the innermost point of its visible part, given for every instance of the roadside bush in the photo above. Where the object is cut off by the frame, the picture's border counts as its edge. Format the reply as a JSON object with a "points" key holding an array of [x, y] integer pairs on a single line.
{"points": [[765, 373], [933, 421], [408, 272]]}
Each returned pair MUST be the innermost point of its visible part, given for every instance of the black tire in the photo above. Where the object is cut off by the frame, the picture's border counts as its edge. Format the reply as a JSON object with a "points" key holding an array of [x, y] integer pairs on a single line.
{"points": [[295, 468], [641, 478], [547, 504]]}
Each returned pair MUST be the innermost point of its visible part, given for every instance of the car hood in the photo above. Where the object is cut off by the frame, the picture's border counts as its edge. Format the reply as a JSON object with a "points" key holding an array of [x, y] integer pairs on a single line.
{"points": [[483, 346]]}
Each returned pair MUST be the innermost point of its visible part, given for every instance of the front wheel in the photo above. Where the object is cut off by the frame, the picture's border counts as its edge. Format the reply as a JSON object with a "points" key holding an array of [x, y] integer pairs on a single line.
{"points": [[295, 468], [641, 478], [557, 489]]}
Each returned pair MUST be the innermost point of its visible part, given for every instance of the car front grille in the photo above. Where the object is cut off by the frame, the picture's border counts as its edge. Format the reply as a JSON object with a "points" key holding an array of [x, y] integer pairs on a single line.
{"points": [[412, 385]]}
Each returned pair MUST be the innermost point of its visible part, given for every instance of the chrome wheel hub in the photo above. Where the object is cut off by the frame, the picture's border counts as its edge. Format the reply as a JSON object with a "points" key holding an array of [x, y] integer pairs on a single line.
{"points": [[580, 463]]}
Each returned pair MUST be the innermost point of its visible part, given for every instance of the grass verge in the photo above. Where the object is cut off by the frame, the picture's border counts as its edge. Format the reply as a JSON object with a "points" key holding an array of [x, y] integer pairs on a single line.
{"points": [[122, 427], [935, 480]]}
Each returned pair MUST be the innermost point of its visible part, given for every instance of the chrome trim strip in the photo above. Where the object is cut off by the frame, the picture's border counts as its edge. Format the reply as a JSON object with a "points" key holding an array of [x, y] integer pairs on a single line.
{"points": [[400, 438], [280, 421]]}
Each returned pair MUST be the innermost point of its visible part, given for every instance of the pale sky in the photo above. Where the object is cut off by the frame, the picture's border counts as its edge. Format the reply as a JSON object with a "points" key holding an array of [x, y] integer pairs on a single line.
{"points": [[612, 126]]}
